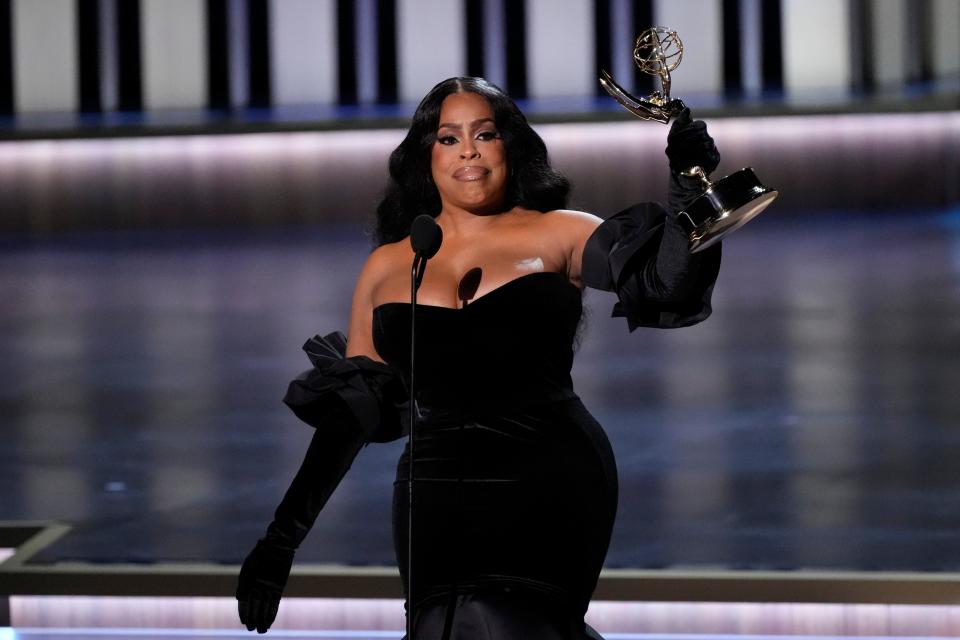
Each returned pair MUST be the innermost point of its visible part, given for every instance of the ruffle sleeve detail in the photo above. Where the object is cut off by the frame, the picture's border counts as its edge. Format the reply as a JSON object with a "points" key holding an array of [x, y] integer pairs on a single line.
{"points": [[634, 253], [372, 392]]}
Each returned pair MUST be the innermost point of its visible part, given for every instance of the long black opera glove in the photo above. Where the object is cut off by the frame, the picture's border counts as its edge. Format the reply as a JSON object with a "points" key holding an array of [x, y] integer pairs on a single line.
{"points": [[350, 401], [264, 573], [643, 254]]}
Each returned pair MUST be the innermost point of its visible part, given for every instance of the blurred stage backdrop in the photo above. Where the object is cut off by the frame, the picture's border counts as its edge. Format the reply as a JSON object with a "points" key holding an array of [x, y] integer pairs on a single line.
{"points": [[184, 191], [96, 89]]}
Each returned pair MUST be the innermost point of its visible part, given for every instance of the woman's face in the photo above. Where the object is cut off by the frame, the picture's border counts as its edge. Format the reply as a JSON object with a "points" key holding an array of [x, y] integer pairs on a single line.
{"points": [[468, 160]]}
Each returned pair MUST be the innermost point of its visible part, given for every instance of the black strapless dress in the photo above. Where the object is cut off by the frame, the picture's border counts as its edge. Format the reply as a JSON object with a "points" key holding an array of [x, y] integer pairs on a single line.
{"points": [[515, 483]]}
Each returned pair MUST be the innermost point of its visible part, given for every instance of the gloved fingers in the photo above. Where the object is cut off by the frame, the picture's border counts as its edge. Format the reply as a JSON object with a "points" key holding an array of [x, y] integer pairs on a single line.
{"points": [[692, 131], [263, 624], [266, 614], [271, 611], [692, 146], [681, 120], [256, 616], [258, 611], [243, 608]]}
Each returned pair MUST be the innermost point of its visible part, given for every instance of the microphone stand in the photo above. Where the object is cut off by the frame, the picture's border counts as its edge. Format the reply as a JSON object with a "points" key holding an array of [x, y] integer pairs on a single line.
{"points": [[416, 275]]}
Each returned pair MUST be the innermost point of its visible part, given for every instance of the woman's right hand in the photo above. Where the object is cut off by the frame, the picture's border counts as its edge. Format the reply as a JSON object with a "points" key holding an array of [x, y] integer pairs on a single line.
{"points": [[263, 577]]}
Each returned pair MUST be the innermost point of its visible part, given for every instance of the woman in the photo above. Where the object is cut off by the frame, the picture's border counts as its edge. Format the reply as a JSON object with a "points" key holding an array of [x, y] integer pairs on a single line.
{"points": [[516, 485]]}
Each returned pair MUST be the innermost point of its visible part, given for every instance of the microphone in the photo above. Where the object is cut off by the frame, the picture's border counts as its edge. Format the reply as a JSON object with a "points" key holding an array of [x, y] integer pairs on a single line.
{"points": [[425, 238]]}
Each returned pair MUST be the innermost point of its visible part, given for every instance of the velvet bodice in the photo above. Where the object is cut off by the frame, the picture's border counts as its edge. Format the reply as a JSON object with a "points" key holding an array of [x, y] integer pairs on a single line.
{"points": [[513, 345]]}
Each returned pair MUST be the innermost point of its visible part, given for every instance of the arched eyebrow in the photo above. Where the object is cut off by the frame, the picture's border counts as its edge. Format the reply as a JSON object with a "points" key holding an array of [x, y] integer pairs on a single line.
{"points": [[473, 125]]}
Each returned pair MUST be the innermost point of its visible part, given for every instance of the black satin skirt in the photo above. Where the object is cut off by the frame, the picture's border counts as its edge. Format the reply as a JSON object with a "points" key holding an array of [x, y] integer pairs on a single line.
{"points": [[512, 515], [495, 615]]}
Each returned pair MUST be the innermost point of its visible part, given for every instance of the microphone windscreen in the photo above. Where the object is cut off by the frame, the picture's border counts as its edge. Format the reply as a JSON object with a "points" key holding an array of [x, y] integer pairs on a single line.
{"points": [[425, 236]]}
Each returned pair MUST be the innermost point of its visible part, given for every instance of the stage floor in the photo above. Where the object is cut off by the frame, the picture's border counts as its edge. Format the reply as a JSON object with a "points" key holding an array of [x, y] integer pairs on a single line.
{"points": [[812, 422], [161, 635]]}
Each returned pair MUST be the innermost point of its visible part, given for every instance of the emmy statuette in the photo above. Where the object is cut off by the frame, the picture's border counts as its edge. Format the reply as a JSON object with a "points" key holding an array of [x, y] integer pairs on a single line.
{"points": [[726, 204]]}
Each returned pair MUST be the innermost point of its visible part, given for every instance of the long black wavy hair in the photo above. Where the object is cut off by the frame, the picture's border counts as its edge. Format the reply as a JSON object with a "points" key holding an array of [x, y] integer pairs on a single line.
{"points": [[531, 182]]}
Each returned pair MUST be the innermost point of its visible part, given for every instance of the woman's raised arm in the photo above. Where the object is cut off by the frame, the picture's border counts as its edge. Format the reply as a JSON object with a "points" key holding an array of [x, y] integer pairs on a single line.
{"points": [[643, 254]]}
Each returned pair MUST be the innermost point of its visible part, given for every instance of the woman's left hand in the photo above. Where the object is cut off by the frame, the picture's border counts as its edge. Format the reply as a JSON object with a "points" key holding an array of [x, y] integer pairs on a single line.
{"points": [[689, 145]]}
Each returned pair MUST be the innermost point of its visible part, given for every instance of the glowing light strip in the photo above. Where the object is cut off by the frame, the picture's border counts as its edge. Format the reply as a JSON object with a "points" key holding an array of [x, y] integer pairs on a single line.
{"points": [[794, 130], [152, 158], [383, 618], [207, 613], [24, 633], [6, 553]]}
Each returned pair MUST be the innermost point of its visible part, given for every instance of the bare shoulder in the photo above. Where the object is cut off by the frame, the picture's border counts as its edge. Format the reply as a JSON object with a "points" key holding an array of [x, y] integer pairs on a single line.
{"points": [[570, 221], [381, 262], [571, 229]]}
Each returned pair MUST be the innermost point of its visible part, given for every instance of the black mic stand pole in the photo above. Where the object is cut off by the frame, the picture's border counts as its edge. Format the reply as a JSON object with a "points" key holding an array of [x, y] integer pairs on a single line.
{"points": [[425, 239], [416, 275]]}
